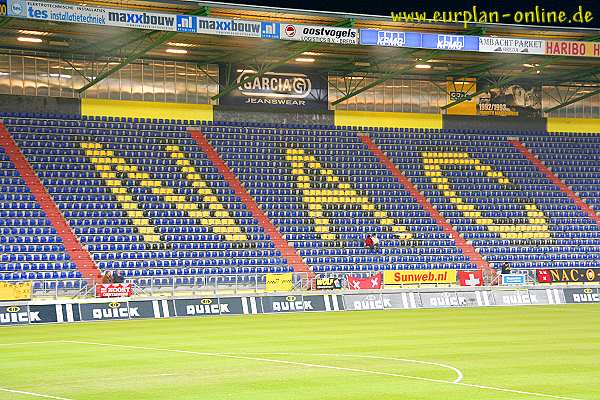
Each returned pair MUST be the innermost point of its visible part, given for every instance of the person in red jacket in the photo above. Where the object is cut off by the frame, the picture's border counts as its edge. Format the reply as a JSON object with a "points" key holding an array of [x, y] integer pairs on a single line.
{"points": [[369, 242]]}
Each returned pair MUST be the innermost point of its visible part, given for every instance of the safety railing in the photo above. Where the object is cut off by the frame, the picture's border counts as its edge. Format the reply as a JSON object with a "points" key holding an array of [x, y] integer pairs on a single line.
{"points": [[234, 284]]}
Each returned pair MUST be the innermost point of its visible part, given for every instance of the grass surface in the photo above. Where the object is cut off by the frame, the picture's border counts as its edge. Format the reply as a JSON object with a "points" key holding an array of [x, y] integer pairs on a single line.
{"points": [[552, 350]]}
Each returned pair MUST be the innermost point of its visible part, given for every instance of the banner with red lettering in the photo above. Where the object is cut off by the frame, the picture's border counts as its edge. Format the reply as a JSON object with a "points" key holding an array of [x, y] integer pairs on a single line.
{"points": [[470, 278], [572, 48], [114, 290], [372, 282]]}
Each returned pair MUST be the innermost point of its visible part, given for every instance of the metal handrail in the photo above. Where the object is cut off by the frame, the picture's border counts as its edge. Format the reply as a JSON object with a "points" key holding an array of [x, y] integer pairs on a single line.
{"points": [[182, 284]]}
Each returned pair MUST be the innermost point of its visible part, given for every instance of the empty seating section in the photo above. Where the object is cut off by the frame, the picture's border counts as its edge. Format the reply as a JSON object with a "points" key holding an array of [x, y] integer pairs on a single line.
{"points": [[325, 192], [496, 198], [30, 247], [142, 197], [574, 158]]}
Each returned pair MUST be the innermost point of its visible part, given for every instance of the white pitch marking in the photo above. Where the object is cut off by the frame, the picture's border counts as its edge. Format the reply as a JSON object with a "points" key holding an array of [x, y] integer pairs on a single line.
{"points": [[27, 343], [46, 396], [459, 373], [324, 367]]}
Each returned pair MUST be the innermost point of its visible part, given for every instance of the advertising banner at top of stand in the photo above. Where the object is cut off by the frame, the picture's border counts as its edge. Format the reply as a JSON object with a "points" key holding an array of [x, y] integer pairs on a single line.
{"points": [[139, 19], [376, 37], [450, 42], [572, 48], [321, 34], [72, 13], [227, 27], [511, 45], [133, 19]]}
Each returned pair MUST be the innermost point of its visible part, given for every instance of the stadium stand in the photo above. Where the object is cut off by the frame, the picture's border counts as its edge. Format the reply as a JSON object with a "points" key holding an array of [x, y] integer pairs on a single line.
{"points": [[30, 247], [496, 198], [325, 191], [142, 197]]}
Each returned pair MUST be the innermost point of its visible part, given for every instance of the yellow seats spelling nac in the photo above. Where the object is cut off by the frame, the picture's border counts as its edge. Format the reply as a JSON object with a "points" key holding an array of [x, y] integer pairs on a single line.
{"points": [[106, 164], [537, 228], [340, 193]]}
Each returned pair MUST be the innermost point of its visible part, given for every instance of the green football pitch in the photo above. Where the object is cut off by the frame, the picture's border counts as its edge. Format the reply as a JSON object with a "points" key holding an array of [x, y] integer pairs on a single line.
{"points": [[536, 352]]}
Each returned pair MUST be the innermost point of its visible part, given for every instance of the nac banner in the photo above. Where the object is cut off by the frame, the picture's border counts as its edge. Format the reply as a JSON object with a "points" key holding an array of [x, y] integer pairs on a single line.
{"points": [[15, 291], [412, 277], [3, 8], [279, 282], [568, 275], [286, 88], [521, 99]]}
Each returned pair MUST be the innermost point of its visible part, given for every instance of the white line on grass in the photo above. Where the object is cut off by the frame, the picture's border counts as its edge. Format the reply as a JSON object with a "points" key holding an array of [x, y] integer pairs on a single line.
{"points": [[46, 396], [364, 371], [459, 373], [27, 343]]}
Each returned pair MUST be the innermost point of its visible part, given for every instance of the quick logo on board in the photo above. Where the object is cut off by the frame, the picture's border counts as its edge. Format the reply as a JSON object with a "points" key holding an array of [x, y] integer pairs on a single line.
{"points": [[11, 315], [207, 307], [292, 303]]}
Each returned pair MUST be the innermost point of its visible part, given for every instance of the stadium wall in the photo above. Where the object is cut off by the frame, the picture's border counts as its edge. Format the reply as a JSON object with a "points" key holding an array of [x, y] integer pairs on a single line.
{"points": [[146, 109], [579, 125], [489, 123], [388, 119], [39, 105], [222, 113], [36, 312]]}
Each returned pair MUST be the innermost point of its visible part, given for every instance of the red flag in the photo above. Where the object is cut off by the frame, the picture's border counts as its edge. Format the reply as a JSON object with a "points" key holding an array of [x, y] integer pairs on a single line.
{"points": [[543, 276], [470, 278], [372, 282]]}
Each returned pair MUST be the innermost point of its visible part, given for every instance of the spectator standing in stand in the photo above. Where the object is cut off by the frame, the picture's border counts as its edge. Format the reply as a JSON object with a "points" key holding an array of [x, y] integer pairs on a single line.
{"points": [[375, 242], [107, 277], [118, 277], [372, 242]]}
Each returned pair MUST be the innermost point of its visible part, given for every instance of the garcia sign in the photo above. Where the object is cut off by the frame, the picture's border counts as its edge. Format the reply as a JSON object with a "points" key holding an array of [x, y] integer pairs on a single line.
{"points": [[275, 89]]}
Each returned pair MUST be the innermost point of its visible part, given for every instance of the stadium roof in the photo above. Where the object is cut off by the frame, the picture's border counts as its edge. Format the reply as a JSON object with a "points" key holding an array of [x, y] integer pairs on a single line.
{"points": [[379, 62]]}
